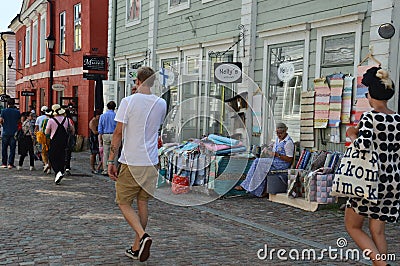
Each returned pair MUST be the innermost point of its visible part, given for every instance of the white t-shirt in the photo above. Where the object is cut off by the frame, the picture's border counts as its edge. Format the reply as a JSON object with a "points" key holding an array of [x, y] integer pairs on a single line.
{"points": [[39, 120], [142, 116]]}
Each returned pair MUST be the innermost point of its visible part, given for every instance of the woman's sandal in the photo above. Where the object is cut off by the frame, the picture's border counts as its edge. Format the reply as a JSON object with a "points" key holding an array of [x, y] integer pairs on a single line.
{"points": [[239, 188]]}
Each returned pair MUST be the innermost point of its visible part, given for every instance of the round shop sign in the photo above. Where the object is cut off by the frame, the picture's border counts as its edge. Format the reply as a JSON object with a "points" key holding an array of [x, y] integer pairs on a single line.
{"points": [[58, 87], [286, 71], [228, 72]]}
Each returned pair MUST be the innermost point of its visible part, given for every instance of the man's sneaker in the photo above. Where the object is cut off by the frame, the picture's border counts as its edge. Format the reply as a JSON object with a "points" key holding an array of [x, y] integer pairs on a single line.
{"points": [[68, 172], [32, 168], [3, 166], [144, 247], [58, 178], [19, 168], [10, 166], [132, 254]]}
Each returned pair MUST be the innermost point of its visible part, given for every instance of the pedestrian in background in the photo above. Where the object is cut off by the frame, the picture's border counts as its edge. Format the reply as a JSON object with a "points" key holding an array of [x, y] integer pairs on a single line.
{"points": [[9, 119], [57, 127], [106, 129], [94, 142], [139, 118], [44, 140], [378, 129], [26, 142]]}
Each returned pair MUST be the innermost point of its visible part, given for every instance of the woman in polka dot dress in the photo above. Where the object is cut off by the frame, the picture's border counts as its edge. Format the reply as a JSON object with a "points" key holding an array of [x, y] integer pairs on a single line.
{"points": [[380, 128]]}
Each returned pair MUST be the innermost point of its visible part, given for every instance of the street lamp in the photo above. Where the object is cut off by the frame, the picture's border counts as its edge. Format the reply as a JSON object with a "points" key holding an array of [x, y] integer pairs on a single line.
{"points": [[10, 61], [50, 42]]}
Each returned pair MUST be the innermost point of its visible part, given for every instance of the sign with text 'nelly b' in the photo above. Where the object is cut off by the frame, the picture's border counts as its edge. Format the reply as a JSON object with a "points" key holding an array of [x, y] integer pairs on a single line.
{"points": [[228, 72], [94, 62]]}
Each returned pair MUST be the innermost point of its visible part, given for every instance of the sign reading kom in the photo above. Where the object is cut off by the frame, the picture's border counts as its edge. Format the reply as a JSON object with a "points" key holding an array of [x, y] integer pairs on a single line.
{"points": [[228, 72]]}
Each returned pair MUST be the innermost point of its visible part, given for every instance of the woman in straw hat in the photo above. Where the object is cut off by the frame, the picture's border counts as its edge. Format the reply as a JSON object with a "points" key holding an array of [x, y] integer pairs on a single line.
{"points": [[59, 127]]}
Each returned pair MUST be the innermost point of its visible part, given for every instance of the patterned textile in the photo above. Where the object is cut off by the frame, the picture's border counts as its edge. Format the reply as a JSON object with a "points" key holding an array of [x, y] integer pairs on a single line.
{"points": [[307, 119], [346, 100], [362, 104], [382, 131], [336, 83], [322, 97]]}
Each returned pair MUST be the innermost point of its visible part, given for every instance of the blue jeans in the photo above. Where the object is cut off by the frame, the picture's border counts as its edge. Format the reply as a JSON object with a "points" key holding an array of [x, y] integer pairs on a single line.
{"points": [[8, 140]]}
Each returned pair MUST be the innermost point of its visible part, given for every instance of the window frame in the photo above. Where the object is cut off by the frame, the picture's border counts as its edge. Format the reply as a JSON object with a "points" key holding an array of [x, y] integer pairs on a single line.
{"points": [[77, 23], [42, 41], [27, 47], [178, 7], [35, 33], [20, 57], [62, 42], [131, 22]]}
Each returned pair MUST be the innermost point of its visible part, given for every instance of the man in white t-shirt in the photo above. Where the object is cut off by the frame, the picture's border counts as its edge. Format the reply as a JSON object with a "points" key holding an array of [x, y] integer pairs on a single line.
{"points": [[139, 118]]}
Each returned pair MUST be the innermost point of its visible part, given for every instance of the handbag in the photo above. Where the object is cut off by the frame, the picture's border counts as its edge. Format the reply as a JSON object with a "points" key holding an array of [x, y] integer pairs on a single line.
{"points": [[357, 175], [180, 184]]}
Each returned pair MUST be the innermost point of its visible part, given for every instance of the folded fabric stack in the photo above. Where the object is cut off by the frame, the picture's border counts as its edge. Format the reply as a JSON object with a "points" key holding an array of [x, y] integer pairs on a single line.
{"points": [[223, 145], [324, 187], [304, 159]]}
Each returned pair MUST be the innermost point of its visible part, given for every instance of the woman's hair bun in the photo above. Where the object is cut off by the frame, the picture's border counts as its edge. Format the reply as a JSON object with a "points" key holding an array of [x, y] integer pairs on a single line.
{"points": [[383, 75]]}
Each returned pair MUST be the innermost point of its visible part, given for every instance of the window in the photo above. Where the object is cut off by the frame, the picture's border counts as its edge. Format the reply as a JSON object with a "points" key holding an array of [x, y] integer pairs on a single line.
{"points": [[133, 11], [77, 27], [34, 43], [19, 62], [338, 53], [27, 47], [62, 33], [177, 5], [42, 38]]}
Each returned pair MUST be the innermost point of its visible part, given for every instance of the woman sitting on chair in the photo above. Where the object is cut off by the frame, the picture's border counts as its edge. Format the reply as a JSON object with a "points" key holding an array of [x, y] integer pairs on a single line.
{"points": [[279, 158]]}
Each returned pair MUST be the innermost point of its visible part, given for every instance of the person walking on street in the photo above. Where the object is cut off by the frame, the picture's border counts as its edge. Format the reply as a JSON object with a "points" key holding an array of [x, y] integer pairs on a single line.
{"points": [[44, 140], [9, 118], [106, 128], [94, 141], [139, 118], [58, 127], [378, 129], [26, 142]]}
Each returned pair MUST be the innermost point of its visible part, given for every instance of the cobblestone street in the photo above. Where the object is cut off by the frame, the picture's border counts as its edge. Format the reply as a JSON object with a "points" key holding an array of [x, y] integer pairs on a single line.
{"points": [[78, 223]]}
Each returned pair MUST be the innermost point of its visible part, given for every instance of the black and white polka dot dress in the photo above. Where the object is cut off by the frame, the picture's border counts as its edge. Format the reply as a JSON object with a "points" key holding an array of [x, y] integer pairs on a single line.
{"points": [[383, 130]]}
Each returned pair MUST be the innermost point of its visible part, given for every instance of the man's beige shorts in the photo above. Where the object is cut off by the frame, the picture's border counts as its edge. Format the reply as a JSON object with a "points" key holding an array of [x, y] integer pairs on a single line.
{"points": [[135, 182]]}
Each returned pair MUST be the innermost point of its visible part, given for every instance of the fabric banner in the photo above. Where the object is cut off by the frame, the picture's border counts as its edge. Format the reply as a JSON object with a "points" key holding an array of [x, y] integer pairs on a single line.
{"points": [[346, 99], [336, 83], [361, 104], [322, 98]]}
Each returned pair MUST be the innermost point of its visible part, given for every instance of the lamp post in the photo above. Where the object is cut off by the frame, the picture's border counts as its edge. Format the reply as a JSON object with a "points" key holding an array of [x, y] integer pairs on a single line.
{"points": [[50, 40]]}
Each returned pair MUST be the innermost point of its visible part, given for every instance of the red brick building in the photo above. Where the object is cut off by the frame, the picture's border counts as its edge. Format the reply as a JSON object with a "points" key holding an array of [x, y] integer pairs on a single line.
{"points": [[48, 75]]}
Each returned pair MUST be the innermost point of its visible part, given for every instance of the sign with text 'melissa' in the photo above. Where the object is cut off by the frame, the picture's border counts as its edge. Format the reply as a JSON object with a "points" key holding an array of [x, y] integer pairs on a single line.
{"points": [[228, 72]]}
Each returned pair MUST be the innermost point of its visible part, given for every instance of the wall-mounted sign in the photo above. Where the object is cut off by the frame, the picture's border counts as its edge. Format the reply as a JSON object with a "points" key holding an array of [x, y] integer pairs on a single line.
{"points": [[94, 62], [131, 76], [27, 93], [228, 72], [58, 87], [94, 76], [166, 77], [4, 97], [286, 71]]}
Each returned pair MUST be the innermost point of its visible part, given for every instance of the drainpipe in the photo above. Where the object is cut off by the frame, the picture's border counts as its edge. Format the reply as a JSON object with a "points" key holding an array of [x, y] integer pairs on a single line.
{"points": [[51, 59], [5, 58], [113, 17]]}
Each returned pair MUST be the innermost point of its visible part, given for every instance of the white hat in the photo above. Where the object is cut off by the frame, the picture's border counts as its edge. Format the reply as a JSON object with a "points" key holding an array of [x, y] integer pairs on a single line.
{"points": [[44, 108], [57, 110], [48, 111]]}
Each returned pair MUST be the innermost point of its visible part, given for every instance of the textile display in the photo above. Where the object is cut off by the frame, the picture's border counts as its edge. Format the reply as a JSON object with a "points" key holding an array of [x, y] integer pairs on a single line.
{"points": [[322, 98], [324, 188], [336, 83], [307, 117], [361, 104], [223, 140], [257, 113], [346, 99], [357, 175]]}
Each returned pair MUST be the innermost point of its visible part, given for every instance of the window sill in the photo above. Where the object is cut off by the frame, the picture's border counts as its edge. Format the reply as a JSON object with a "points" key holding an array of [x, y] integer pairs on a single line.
{"points": [[177, 8], [132, 23]]}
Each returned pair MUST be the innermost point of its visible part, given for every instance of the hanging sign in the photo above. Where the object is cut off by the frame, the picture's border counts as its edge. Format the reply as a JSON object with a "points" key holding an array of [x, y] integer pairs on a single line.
{"points": [[228, 72], [94, 76], [94, 62], [132, 75], [286, 71], [166, 77], [4, 97], [27, 93], [58, 87]]}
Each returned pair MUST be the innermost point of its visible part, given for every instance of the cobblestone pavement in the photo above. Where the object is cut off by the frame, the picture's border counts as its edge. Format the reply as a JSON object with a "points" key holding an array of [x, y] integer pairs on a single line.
{"points": [[78, 223]]}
